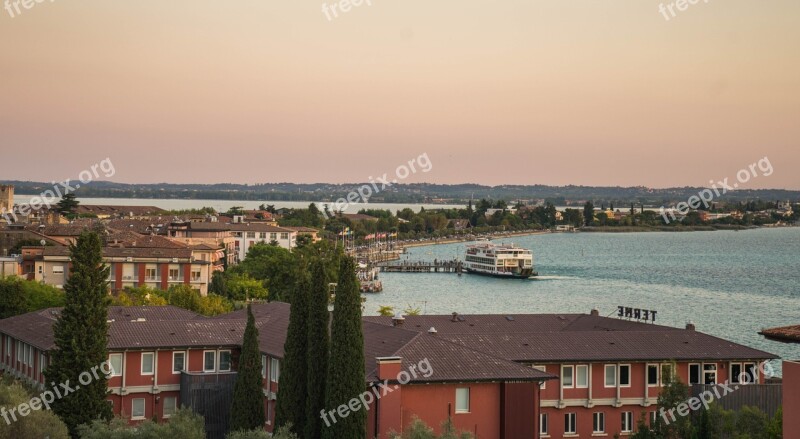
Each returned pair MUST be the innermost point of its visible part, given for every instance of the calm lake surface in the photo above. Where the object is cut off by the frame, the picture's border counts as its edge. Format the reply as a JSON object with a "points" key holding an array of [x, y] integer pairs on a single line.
{"points": [[730, 284]]}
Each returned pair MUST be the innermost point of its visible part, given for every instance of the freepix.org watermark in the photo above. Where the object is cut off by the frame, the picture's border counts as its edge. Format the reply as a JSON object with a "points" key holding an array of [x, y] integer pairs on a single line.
{"points": [[343, 6], [376, 185], [16, 7], [55, 392], [705, 399], [51, 196], [363, 401], [680, 5], [719, 188]]}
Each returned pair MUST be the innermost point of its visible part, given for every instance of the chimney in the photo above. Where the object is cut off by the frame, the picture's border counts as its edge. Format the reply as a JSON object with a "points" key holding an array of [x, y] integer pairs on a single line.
{"points": [[595, 313], [432, 331], [455, 317], [398, 320], [690, 326], [388, 367]]}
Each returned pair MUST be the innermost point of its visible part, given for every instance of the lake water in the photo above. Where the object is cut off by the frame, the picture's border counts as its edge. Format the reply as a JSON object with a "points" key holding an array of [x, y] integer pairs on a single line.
{"points": [[730, 284]]}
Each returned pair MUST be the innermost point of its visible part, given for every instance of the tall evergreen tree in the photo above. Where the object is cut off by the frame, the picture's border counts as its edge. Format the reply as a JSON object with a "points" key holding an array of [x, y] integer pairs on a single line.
{"points": [[81, 337], [291, 405], [318, 344], [346, 377], [588, 213], [247, 410], [67, 205]]}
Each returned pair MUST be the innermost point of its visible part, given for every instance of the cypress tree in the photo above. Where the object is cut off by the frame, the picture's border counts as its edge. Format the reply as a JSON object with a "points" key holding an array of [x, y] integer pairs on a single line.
{"points": [[247, 410], [291, 405], [346, 377], [318, 344], [81, 338]]}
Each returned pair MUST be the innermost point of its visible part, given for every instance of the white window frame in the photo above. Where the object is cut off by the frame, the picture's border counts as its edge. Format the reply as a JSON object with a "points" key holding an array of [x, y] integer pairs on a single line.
{"points": [[699, 373], [152, 363], [571, 376], [133, 409], [164, 413], [748, 366], [653, 417], [205, 363], [578, 385], [715, 371], [543, 424], [274, 370], [543, 384], [42, 361], [598, 419], [8, 349], [114, 372], [461, 390], [219, 360], [174, 354], [619, 375], [58, 269], [605, 376], [571, 423], [627, 422], [658, 374], [263, 367]]}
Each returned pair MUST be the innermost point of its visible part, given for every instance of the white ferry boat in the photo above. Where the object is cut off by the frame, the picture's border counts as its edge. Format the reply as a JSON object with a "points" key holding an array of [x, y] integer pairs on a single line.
{"points": [[490, 259]]}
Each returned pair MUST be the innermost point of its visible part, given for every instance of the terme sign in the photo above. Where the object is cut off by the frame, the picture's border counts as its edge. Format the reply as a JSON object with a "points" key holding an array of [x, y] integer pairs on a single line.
{"points": [[648, 315]]}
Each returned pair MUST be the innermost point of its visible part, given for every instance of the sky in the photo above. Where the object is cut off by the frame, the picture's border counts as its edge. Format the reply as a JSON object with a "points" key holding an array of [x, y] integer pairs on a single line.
{"points": [[585, 92]]}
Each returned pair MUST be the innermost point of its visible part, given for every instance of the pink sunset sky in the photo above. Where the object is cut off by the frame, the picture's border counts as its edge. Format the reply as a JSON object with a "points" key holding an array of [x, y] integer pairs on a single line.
{"points": [[495, 92]]}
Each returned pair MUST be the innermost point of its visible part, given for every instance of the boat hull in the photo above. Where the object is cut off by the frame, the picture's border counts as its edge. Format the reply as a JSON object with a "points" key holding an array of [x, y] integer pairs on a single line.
{"points": [[525, 274]]}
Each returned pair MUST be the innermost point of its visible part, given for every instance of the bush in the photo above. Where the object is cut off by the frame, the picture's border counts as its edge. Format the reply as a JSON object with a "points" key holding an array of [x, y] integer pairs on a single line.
{"points": [[184, 424], [281, 433], [38, 424]]}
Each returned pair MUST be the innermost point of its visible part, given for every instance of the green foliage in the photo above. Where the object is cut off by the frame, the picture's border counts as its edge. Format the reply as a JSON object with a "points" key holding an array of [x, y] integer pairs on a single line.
{"points": [[38, 424], [17, 248], [291, 405], [386, 311], [67, 205], [183, 296], [139, 296], [318, 341], [247, 412], [412, 311], [272, 264], [588, 213], [280, 433], [184, 424], [417, 429], [346, 378], [81, 336], [18, 296], [242, 287]]}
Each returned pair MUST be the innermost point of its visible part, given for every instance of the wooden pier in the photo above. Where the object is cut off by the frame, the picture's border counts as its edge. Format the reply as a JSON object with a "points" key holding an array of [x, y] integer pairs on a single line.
{"points": [[423, 267]]}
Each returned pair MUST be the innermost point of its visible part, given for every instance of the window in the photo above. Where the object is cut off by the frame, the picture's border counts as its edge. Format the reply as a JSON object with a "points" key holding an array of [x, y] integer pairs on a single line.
{"points": [[224, 361], [462, 400], [694, 374], [284, 235], [652, 375], [174, 274], [262, 235], [653, 418], [58, 269], [274, 370], [611, 375], [137, 408], [42, 362], [627, 422], [543, 423], [666, 373], [582, 376], [115, 361], [178, 362], [209, 361], [567, 381], [8, 349], [710, 373], [624, 375], [543, 384], [750, 373], [170, 403], [251, 234], [147, 363], [40, 269], [264, 366], [150, 274], [195, 275], [599, 422], [570, 423], [273, 236]]}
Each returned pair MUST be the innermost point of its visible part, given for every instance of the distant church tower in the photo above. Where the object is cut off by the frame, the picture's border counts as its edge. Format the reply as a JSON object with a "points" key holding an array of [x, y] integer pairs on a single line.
{"points": [[6, 197]]}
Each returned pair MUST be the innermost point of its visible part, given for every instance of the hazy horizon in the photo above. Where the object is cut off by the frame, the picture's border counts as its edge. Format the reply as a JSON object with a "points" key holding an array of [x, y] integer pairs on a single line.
{"points": [[519, 92]]}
